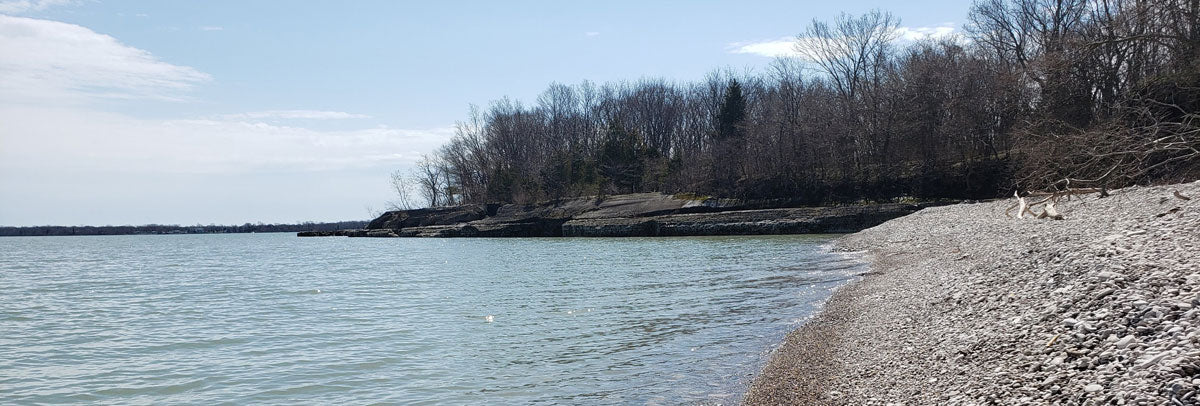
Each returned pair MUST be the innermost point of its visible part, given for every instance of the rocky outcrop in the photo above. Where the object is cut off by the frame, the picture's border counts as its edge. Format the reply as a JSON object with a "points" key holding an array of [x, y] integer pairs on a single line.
{"points": [[632, 215], [398, 219], [334, 233], [809, 220]]}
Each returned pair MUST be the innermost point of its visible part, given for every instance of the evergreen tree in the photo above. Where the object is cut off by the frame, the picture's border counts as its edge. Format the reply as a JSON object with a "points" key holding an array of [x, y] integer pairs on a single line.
{"points": [[730, 141], [621, 160], [732, 113]]}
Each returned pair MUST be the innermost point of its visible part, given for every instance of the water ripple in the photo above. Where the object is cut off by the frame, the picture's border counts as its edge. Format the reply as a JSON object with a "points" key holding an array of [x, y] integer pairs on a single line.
{"points": [[274, 319]]}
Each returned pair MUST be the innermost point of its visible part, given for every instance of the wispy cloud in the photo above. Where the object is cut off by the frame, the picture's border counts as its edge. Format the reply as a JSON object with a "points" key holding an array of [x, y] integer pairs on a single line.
{"points": [[781, 47], [25, 6], [786, 46], [65, 62], [38, 138], [914, 34], [211, 28], [592, 34], [294, 114], [138, 170]]}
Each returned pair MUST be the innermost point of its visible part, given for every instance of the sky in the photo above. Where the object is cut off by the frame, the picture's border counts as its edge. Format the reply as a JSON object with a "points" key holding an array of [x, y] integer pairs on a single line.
{"points": [[227, 112]]}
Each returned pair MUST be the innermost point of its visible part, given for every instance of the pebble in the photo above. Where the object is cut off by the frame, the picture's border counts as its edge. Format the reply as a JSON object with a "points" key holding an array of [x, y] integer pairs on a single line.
{"points": [[1150, 360], [1012, 310], [1124, 342]]}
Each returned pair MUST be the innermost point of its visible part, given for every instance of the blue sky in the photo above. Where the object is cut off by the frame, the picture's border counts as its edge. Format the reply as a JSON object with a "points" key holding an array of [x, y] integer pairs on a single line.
{"points": [[123, 112]]}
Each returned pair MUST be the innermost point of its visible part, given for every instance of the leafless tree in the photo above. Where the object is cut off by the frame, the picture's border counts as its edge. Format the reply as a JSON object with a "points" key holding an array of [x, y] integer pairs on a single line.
{"points": [[402, 187], [430, 181]]}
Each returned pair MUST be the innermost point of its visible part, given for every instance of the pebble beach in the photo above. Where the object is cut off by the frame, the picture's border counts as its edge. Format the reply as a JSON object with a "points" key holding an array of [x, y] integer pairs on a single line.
{"points": [[965, 305]]}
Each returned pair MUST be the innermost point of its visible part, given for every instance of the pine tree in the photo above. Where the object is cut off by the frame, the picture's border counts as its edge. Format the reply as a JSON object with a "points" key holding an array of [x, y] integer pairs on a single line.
{"points": [[621, 159], [730, 141], [732, 113]]}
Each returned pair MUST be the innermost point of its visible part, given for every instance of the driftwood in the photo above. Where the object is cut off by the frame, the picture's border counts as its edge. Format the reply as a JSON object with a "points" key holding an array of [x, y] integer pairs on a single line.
{"points": [[1050, 201], [1024, 207], [1050, 212]]}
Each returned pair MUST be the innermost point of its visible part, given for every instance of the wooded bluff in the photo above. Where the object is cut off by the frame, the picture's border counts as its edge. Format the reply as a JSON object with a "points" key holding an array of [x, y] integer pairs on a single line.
{"points": [[1037, 95]]}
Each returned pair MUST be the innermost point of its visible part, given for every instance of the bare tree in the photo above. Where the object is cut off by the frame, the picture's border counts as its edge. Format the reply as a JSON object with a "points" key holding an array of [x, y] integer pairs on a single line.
{"points": [[402, 186], [850, 50], [429, 180]]}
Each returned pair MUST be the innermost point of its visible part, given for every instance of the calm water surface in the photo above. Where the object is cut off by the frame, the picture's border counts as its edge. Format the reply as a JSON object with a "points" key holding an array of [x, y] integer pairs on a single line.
{"points": [[275, 319]]}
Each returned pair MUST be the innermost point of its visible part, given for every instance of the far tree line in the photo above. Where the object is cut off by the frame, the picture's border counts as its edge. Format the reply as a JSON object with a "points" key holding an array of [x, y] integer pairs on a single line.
{"points": [[34, 231], [1037, 95]]}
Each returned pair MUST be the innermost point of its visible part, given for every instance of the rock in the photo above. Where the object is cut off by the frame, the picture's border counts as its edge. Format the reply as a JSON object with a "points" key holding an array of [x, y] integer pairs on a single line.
{"points": [[1150, 360], [316, 233], [381, 233], [633, 215], [398, 219], [1092, 388], [1124, 342]]}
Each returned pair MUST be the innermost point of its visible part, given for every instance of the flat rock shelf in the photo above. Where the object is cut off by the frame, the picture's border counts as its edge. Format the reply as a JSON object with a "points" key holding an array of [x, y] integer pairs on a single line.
{"points": [[633, 215]]}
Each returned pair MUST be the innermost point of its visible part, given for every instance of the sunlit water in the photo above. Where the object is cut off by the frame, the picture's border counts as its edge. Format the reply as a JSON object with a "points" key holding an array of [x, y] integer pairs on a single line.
{"points": [[275, 319]]}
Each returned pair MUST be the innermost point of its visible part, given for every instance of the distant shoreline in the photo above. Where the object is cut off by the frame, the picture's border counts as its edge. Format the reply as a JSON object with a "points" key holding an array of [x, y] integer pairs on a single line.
{"points": [[171, 229]]}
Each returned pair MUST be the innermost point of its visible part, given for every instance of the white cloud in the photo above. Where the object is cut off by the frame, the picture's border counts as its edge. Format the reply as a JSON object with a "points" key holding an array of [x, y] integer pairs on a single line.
{"points": [[25, 6], [786, 46], [211, 28], [592, 34], [913, 34], [76, 166], [295, 114], [60, 62], [782, 47], [58, 147], [53, 139]]}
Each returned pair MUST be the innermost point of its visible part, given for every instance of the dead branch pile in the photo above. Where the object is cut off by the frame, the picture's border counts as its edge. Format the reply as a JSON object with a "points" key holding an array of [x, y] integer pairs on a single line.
{"points": [[1118, 154]]}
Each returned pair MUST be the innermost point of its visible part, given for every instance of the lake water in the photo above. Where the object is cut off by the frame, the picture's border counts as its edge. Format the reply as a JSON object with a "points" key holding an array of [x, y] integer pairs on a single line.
{"points": [[276, 319]]}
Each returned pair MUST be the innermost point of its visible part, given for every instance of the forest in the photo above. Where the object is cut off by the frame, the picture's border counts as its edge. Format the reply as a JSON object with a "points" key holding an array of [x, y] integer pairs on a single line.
{"points": [[1034, 95]]}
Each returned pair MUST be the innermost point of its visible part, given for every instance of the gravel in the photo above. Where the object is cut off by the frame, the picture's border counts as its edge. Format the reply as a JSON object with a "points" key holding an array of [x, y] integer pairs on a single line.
{"points": [[966, 306]]}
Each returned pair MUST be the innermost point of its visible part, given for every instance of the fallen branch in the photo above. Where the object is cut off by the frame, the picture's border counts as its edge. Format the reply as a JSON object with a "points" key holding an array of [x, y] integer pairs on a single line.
{"points": [[1050, 210], [1024, 207]]}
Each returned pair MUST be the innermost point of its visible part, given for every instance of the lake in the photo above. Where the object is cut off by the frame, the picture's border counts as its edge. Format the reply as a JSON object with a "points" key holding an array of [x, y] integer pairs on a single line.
{"points": [[276, 319]]}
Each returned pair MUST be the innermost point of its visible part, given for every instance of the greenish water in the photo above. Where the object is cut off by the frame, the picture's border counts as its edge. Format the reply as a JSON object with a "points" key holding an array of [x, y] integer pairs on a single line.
{"points": [[275, 319]]}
